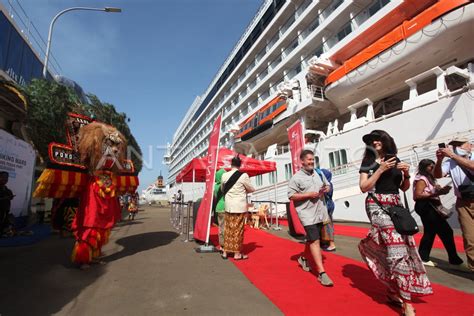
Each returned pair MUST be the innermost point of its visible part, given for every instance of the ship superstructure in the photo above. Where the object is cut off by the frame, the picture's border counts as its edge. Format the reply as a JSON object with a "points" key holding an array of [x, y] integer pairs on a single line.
{"points": [[344, 68]]}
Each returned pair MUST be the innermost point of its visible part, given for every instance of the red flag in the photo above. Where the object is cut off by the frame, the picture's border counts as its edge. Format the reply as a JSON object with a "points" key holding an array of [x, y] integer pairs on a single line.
{"points": [[296, 138], [203, 220]]}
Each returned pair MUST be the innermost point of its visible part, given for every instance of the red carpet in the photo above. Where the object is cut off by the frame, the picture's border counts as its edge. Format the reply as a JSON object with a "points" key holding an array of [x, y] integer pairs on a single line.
{"points": [[273, 269], [361, 232]]}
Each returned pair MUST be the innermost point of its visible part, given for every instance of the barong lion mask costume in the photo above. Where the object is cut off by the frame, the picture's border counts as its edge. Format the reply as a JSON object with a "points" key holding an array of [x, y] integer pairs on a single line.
{"points": [[102, 151], [101, 147], [90, 167]]}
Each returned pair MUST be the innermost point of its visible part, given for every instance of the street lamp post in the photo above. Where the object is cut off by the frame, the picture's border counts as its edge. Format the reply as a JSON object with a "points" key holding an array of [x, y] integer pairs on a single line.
{"points": [[48, 45]]}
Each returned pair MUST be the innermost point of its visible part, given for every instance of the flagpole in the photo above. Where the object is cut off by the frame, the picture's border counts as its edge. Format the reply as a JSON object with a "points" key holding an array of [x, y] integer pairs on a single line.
{"points": [[213, 180]]}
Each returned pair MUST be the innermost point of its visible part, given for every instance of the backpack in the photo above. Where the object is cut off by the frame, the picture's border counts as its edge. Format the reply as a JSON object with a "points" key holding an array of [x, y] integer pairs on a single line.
{"points": [[327, 196]]}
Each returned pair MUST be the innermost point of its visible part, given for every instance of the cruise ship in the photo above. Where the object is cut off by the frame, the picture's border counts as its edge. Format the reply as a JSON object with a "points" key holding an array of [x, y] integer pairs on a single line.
{"points": [[155, 193], [343, 68]]}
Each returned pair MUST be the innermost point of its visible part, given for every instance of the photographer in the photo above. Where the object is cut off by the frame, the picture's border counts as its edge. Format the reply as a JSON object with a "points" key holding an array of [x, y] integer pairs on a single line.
{"points": [[426, 193], [460, 167]]}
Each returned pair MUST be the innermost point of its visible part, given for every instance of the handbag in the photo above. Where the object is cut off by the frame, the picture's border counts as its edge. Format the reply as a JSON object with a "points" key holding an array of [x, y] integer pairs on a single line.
{"points": [[327, 231], [440, 209], [401, 217], [467, 190]]}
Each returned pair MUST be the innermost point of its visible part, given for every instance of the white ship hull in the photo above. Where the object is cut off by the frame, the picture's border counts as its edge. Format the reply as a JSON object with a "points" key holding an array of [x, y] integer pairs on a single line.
{"points": [[408, 90], [445, 42], [416, 132]]}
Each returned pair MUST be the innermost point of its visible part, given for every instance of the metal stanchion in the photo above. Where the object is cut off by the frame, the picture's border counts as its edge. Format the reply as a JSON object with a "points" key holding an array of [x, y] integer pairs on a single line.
{"points": [[172, 213], [188, 221], [276, 226], [180, 214]]}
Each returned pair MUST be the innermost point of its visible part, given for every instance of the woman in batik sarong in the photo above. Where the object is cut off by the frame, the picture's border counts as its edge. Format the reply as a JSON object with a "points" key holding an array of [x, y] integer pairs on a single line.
{"points": [[235, 186], [393, 258]]}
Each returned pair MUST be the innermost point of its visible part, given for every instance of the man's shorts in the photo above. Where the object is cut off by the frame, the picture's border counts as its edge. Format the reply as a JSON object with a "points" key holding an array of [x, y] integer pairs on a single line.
{"points": [[313, 232]]}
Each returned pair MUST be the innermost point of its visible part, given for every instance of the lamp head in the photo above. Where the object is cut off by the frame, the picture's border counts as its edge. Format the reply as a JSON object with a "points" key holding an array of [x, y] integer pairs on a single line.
{"points": [[114, 10]]}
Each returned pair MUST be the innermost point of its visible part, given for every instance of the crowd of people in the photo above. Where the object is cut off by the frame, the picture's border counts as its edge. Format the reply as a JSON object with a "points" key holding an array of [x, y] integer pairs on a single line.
{"points": [[390, 253], [392, 256]]}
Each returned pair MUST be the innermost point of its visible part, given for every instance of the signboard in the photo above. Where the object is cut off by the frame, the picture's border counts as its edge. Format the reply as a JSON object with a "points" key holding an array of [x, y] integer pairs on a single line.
{"points": [[203, 220], [67, 154], [296, 138], [17, 157]]}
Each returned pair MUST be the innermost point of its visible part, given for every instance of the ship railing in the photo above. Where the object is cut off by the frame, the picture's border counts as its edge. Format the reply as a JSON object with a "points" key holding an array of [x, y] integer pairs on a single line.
{"points": [[181, 215], [317, 92]]}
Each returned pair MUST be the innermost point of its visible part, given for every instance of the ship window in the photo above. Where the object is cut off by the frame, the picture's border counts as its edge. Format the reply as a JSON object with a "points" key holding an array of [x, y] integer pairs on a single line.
{"points": [[379, 4], [319, 51], [288, 171], [337, 3], [338, 161], [346, 30], [265, 95], [272, 177]]}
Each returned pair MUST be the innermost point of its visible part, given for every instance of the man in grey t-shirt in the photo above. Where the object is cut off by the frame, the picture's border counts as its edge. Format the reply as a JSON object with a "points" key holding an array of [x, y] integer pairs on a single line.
{"points": [[306, 189]]}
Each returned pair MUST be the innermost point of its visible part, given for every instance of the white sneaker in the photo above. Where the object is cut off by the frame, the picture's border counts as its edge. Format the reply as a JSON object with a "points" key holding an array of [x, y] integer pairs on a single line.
{"points": [[429, 263]]}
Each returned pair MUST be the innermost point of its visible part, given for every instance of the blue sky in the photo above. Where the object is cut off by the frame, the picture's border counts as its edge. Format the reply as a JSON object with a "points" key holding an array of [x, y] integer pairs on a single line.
{"points": [[150, 61]]}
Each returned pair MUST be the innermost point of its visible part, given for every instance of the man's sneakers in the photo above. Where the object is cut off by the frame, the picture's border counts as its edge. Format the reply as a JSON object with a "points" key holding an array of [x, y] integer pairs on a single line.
{"points": [[324, 279], [304, 264], [460, 267]]}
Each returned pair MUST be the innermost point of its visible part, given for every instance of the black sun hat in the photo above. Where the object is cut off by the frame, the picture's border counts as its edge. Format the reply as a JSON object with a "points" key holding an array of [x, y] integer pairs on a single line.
{"points": [[369, 138]]}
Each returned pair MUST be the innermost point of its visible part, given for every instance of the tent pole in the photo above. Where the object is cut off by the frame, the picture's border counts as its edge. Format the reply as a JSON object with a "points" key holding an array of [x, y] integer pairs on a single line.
{"points": [[194, 175], [276, 226]]}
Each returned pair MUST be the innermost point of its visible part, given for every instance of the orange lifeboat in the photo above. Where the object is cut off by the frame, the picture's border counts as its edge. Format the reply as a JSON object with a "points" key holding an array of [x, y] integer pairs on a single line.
{"points": [[262, 119]]}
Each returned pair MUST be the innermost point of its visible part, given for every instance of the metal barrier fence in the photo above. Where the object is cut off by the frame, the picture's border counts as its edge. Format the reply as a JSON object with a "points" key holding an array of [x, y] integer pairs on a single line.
{"points": [[181, 215]]}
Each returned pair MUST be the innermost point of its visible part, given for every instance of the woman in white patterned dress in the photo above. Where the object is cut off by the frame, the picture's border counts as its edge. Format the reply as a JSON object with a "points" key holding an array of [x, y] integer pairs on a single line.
{"points": [[393, 258]]}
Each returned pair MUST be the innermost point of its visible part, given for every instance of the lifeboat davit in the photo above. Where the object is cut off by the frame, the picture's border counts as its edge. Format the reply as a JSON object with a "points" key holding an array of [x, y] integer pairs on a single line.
{"points": [[441, 36]]}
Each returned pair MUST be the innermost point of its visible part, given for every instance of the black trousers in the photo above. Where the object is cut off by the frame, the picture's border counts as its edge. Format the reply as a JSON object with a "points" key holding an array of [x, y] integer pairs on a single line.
{"points": [[3, 220], [434, 224]]}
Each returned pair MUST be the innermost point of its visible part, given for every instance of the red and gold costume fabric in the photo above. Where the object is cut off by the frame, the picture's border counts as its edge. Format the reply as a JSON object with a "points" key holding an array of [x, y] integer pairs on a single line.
{"points": [[99, 210]]}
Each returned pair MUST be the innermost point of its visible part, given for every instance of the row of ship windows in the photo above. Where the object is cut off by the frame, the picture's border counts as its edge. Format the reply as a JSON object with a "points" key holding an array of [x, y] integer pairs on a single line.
{"points": [[350, 26], [259, 57], [249, 69]]}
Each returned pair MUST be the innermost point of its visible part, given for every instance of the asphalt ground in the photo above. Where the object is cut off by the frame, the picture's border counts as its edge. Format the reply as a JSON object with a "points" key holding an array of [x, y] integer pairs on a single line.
{"points": [[149, 270]]}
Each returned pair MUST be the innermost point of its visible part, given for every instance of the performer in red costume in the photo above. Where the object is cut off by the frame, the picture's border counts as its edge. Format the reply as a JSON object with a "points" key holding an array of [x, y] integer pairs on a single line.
{"points": [[101, 149]]}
